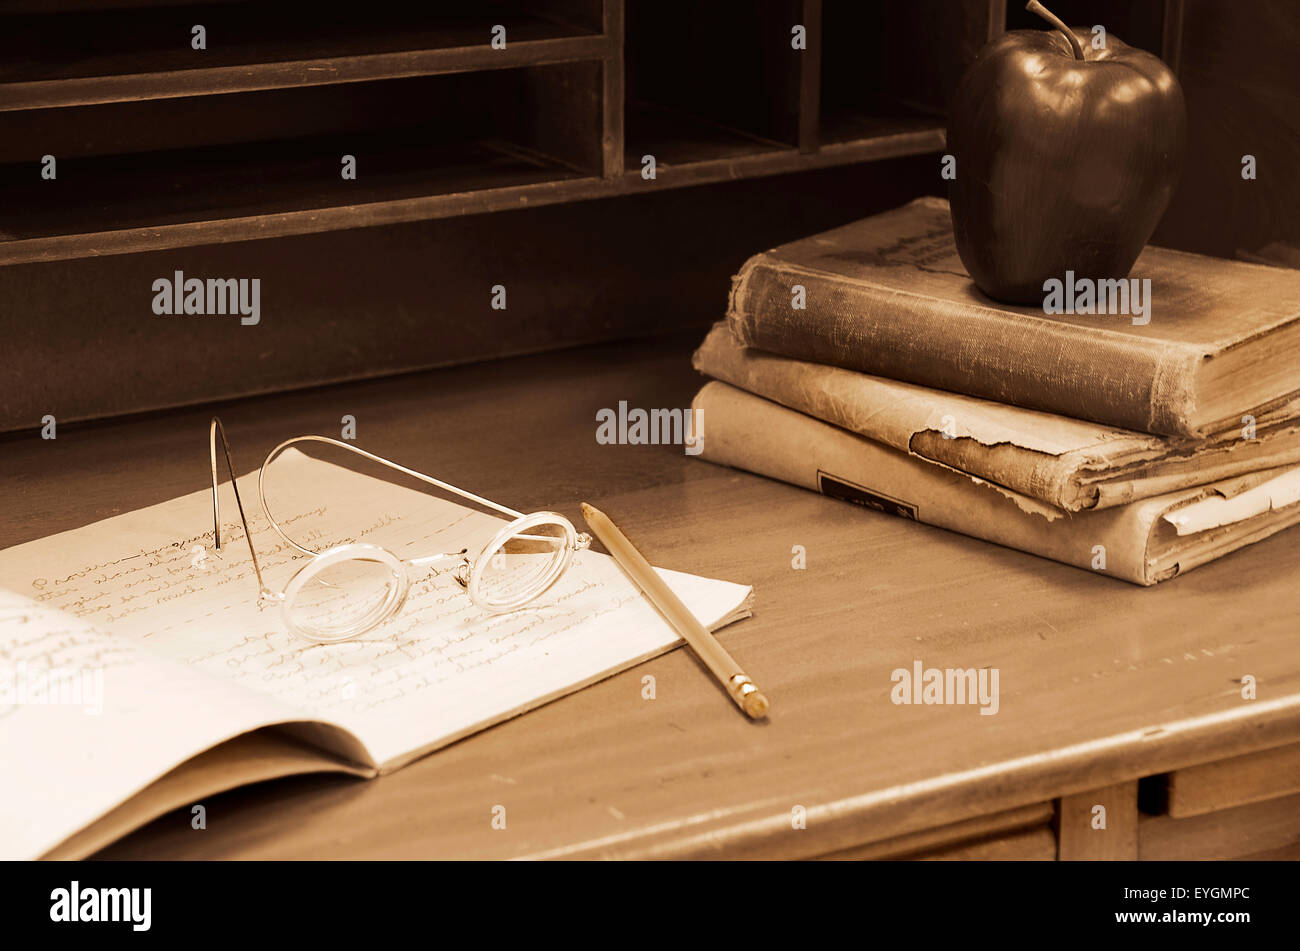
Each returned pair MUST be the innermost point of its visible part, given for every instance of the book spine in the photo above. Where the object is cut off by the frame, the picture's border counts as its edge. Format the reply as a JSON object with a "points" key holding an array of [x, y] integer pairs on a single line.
{"points": [[757, 435], [968, 348]]}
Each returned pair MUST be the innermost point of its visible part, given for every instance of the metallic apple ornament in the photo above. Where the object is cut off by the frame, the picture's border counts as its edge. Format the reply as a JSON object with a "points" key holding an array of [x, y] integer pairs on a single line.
{"points": [[1067, 156]]}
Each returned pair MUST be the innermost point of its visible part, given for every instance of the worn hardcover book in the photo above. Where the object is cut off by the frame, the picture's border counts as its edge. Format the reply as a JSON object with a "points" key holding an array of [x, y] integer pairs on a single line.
{"points": [[1144, 542], [1204, 342], [1070, 464]]}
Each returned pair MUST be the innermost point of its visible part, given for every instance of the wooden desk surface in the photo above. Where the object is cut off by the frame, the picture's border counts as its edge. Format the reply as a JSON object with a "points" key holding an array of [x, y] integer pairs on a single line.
{"points": [[1101, 682]]}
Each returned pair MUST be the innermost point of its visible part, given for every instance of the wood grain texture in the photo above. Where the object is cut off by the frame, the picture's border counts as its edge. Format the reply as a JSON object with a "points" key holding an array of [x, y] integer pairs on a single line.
{"points": [[84, 342], [956, 837], [810, 77], [169, 154], [1261, 830], [55, 62], [1037, 844], [1100, 682], [1267, 774], [1079, 838], [1283, 853], [481, 191], [614, 91]]}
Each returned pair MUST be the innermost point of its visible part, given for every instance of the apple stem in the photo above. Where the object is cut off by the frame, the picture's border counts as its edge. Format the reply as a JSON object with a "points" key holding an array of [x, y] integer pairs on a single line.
{"points": [[1035, 7]]}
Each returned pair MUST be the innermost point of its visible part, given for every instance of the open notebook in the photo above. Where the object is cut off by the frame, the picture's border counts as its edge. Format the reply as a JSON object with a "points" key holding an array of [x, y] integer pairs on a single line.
{"points": [[173, 685]]}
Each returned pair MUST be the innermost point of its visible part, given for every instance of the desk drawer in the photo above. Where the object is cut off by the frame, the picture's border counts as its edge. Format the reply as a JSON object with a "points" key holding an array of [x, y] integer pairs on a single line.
{"points": [[1259, 830], [1228, 783], [1021, 833], [1037, 843]]}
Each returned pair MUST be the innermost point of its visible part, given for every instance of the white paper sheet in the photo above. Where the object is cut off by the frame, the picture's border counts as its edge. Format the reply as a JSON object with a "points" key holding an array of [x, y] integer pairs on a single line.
{"points": [[439, 670]]}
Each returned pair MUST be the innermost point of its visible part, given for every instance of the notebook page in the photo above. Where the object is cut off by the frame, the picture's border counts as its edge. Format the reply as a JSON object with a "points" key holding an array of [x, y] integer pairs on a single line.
{"points": [[87, 720], [438, 670]]}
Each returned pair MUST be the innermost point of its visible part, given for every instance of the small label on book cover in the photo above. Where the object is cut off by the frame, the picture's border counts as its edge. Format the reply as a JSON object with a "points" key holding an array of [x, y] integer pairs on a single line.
{"points": [[838, 488]]}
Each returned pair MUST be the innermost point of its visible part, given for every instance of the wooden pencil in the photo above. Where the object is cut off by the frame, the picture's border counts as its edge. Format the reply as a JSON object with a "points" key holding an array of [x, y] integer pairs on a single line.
{"points": [[742, 690]]}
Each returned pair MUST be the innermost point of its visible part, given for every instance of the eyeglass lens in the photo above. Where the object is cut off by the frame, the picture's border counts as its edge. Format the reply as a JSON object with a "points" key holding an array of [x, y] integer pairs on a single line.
{"points": [[342, 599], [524, 565]]}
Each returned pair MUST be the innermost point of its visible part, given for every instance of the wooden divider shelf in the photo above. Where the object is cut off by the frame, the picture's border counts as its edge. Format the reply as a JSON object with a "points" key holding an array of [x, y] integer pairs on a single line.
{"points": [[161, 146], [83, 57]]}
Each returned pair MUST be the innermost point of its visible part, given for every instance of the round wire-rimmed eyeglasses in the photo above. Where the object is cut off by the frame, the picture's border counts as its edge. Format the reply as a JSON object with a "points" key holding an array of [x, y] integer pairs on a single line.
{"points": [[350, 589]]}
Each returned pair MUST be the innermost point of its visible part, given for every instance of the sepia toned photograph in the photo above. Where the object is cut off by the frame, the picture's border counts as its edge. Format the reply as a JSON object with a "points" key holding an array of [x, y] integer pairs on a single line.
{"points": [[747, 431]]}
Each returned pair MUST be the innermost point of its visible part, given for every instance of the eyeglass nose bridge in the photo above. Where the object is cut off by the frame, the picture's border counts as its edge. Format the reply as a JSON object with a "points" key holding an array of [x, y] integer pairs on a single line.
{"points": [[461, 573]]}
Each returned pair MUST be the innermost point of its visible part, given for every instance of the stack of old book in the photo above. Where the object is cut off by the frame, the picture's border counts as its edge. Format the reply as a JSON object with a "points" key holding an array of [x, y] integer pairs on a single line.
{"points": [[863, 363]]}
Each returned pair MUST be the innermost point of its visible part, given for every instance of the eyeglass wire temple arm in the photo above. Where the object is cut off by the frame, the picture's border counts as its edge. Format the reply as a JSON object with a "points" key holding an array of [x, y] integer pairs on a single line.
{"points": [[266, 510], [213, 430]]}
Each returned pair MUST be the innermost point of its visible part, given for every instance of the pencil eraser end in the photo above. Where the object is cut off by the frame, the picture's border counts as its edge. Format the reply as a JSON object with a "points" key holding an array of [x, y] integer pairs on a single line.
{"points": [[756, 705]]}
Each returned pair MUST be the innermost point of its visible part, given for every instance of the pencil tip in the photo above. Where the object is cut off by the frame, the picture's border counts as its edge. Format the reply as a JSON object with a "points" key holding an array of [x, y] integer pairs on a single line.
{"points": [[587, 510]]}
